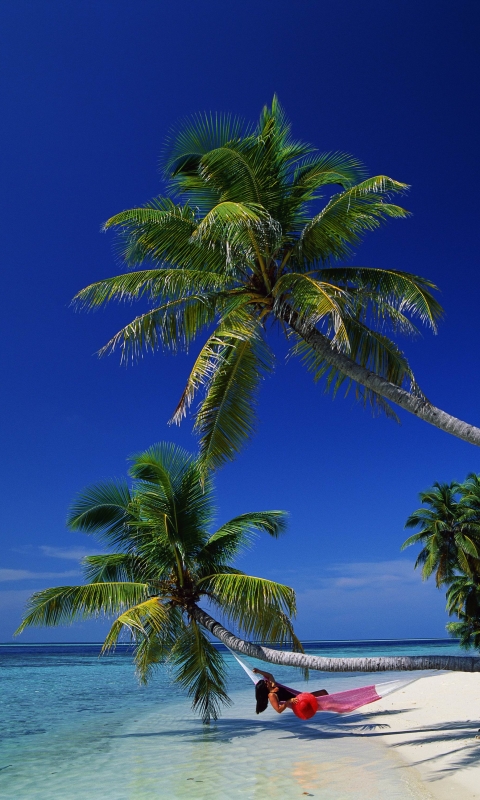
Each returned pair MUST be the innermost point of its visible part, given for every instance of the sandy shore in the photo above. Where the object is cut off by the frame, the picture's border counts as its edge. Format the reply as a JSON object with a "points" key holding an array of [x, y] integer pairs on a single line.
{"points": [[432, 725]]}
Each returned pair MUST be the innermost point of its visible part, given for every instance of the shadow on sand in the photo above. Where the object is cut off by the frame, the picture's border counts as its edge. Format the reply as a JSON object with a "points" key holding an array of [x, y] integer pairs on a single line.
{"points": [[331, 726]]}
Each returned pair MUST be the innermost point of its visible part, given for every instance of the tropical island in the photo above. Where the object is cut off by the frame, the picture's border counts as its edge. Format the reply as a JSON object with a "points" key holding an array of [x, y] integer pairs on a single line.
{"points": [[298, 302], [242, 255]]}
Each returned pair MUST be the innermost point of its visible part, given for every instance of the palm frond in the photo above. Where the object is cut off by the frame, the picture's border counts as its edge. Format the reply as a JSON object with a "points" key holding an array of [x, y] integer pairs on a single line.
{"points": [[229, 170], [162, 464], [375, 290], [161, 232], [243, 230], [173, 326], [194, 137], [372, 350], [185, 497], [116, 567], [414, 539], [340, 225], [467, 630], [235, 324], [258, 606], [155, 648], [145, 619], [313, 302], [239, 533], [322, 169], [105, 510], [200, 669], [171, 284], [65, 604], [150, 651], [226, 417]]}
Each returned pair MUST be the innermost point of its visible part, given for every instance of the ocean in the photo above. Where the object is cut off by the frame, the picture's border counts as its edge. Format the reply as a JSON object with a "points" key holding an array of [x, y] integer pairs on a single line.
{"points": [[78, 727]]}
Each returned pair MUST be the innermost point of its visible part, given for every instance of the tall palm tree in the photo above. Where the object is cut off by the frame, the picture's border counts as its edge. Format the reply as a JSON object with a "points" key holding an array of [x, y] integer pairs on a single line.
{"points": [[165, 562], [449, 531], [242, 244]]}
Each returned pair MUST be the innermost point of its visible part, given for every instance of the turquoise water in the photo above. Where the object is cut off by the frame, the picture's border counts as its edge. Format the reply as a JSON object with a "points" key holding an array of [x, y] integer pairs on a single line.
{"points": [[77, 726]]}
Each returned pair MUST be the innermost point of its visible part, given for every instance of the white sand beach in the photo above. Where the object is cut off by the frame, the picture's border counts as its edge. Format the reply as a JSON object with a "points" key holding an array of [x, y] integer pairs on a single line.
{"points": [[432, 725]]}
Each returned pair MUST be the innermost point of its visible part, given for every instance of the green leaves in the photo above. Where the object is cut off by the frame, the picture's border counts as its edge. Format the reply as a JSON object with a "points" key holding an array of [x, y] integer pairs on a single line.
{"points": [[146, 619], [200, 669], [171, 284], [449, 523], [195, 137], [167, 562], [339, 227], [374, 352], [240, 532], [114, 567], [226, 417], [391, 297], [444, 533], [237, 229], [313, 302], [64, 604], [104, 510], [258, 606]]}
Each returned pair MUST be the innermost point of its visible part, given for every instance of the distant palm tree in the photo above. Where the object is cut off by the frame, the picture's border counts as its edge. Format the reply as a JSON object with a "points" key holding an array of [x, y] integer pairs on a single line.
{"points": [[463, 599], [241, 246], [166, 561], [450, 535], [449, 532]]}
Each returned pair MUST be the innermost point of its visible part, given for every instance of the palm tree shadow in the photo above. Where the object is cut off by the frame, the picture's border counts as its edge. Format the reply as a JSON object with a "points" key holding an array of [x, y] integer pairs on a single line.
{"points": [[326, 726], [466, 755], [331, 726]]}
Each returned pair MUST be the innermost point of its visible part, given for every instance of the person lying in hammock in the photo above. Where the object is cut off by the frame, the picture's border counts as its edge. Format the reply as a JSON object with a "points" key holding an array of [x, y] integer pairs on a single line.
{"points": [[280, 698]]}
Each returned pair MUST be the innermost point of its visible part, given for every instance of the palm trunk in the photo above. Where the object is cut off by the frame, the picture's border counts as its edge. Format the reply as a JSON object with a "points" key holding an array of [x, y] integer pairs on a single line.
{"points": [[418, 406], [375, 664]]}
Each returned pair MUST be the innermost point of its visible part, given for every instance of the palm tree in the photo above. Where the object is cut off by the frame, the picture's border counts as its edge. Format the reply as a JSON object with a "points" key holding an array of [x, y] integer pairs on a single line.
{"points": [[463, 599], [242, 245], [165, 562], [450, 535], [449, 531]]}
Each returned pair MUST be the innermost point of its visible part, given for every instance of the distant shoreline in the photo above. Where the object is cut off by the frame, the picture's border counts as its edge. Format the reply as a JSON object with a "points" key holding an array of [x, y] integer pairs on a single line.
{"points": [[305, 642]]}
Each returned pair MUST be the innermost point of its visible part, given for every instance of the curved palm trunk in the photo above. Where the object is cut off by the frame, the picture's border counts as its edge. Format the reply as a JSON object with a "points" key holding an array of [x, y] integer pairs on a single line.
{"points": [[421, 407], [375, 664]]}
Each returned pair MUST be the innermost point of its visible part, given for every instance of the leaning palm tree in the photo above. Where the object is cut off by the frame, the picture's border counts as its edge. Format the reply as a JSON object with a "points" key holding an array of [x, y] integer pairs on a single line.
{"points": [[165, 562], [243, 244], [449, 531]]}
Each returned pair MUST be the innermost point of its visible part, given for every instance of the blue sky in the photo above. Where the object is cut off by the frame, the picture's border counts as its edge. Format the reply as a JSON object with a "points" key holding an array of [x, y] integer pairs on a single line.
{"points": [[88, 92]]}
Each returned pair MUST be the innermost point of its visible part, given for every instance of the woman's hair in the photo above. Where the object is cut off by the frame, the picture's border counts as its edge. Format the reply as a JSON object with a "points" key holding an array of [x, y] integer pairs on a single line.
{"points": [[261, 694]]}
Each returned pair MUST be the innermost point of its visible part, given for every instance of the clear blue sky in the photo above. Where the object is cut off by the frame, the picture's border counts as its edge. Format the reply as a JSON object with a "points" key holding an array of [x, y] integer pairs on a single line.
{"points": [[89, 90]]}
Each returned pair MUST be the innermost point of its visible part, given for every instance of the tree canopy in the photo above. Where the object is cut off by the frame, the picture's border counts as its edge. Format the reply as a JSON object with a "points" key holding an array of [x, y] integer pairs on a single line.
{"points": [[254, 234], [449, 523], [165, 561]]}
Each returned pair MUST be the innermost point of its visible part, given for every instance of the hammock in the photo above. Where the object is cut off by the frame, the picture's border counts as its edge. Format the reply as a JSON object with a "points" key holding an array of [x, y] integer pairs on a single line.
{"points": [[343, 702]]}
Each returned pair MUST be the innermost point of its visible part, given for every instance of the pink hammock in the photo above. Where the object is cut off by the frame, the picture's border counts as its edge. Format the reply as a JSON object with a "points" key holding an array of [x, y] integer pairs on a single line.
{"points": [[342, 702]]}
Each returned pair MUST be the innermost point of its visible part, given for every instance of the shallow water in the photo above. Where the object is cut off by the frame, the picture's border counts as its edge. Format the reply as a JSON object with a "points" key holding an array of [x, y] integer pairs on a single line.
{"points": [[76, 726]]}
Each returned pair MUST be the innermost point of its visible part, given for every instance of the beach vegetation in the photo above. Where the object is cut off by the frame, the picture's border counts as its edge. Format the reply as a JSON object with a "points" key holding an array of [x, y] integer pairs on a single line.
{"points": [[449, 522], [165, 573], [164, 561], [254, 236]]}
